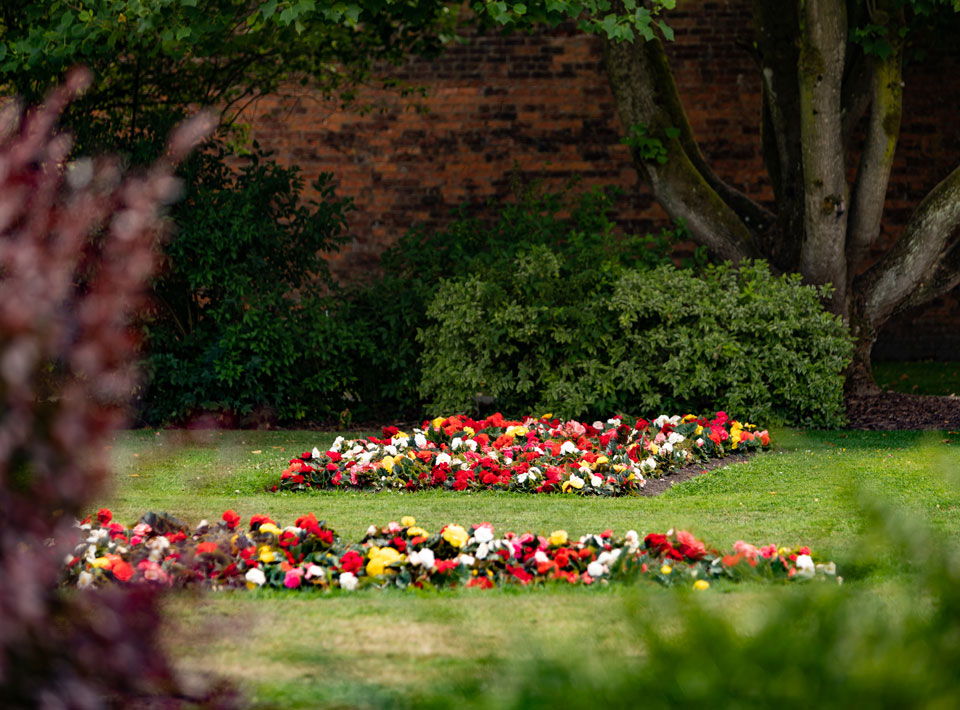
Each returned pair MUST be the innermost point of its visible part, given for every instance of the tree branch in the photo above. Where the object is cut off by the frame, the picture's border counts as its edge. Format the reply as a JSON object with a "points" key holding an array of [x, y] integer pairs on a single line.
{"points": [[909, 271], [646, 94], [876, 160]]}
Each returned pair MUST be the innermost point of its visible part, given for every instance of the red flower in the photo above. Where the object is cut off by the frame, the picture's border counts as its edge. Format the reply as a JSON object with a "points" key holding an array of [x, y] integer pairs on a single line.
{"points": [[104, 516], [334, 456], [206, 547], [351, 561], [121, 570], [336, 479], [231, 518], [399, 544], [482, 582], [257, 520]]}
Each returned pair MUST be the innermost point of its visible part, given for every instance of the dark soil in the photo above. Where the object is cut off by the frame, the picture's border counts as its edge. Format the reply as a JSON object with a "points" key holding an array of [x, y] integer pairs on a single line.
{"points": [[895, 410]]}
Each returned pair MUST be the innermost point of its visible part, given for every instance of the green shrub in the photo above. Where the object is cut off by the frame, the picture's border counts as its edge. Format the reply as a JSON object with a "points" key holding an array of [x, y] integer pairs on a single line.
{"points": [[588, 338], [245, 321], [573, 227]]}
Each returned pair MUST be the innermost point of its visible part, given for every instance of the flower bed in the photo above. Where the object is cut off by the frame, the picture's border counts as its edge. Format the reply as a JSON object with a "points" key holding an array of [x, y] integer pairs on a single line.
{"points": [[543, 455], [309, 555]]}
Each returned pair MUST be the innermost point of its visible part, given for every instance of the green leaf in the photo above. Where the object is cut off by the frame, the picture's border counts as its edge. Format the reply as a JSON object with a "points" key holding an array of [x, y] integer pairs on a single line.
{"points": [[666, 30], [520, 8]]}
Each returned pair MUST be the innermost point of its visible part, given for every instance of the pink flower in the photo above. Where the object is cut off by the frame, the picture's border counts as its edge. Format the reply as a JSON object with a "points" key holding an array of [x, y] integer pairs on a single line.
{"points": [[768, 551], [292, 579], [694, 548], [747, 550]]}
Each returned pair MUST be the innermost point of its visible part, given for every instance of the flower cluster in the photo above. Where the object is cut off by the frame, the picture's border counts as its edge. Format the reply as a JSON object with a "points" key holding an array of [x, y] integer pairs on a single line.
{"points": [[542, 455], [309, 555]]}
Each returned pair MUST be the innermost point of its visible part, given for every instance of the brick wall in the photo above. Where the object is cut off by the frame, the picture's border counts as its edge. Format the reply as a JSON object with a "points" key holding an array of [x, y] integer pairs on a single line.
{"points": [[540, 106]]}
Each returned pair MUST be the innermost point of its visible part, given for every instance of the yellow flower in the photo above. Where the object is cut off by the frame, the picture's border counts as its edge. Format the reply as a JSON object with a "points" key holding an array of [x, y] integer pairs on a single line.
{"points": [[618, 467], [517, 431], [387, 463], [469, 431], [602, 460], [701, 585], [689, 417], [379, 561], [558, 537], [455, 535], [654, 449], [699, 430], [270, 528], [101, 562], [548, 415], [438, 422], [666, 569], [401, 435], [408, 521], [267, 554], [573, 482], [416, 532]]}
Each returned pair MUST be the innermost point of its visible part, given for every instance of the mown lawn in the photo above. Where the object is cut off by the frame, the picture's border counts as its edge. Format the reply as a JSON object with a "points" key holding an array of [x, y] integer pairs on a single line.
{"points": [[369, 649]]}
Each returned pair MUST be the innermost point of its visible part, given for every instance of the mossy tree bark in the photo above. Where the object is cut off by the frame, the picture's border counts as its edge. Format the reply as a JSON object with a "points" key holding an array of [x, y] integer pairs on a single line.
{"points": [[816, 87]]}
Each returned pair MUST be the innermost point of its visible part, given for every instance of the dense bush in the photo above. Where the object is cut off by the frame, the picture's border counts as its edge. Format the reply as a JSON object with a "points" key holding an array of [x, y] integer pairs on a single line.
{"points": [[244, 319], [571, 229], [587, 338]]}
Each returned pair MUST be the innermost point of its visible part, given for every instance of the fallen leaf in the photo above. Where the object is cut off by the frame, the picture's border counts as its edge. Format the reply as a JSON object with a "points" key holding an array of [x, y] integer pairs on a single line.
{"points": [[258, 451]]}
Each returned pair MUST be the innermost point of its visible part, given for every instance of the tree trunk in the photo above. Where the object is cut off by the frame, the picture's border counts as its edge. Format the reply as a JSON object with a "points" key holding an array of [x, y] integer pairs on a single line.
{"points": [[816, 88]]}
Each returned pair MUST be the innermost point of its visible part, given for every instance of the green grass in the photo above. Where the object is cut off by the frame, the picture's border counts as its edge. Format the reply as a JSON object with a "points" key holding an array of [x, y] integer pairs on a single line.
{"points": [[372, 648], [932, 378]]}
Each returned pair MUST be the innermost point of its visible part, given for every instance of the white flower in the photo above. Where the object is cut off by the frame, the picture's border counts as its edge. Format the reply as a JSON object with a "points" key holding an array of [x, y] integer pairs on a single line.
{"points": [[608, 558], [470, 444], [85, 580], [442, 458], [540, 556], [828, 568], [414, 558], [372, 530], [420, 440], [390, 449], [660, 421], [256, 576], [427, 558], [595, 569], [522, 478], [483, 551], [97, 535], [354, 450], [598, 425], [314, 571], [632, 540], [568, 447], [338, 442], [456, 443], [348, 581], [483, 534], [585, 470], [614, 422], [372, 447], [700, 443], [667, 448], [466, 560], [400, 442], [648, 464], [534, 473], [596, 481], [315, 453], [675, 438], [805, 566]]}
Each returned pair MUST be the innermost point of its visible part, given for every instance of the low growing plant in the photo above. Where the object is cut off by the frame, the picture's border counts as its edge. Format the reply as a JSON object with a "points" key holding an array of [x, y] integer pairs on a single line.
{"points": [[590, 337]]}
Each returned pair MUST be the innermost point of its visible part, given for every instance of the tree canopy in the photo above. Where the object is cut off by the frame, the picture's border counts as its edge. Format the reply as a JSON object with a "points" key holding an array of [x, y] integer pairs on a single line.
{"points": [[154, 60]]}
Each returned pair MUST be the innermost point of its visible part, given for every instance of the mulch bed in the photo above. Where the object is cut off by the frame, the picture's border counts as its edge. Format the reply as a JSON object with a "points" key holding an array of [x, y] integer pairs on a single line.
{"points": [[893, 410]]}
